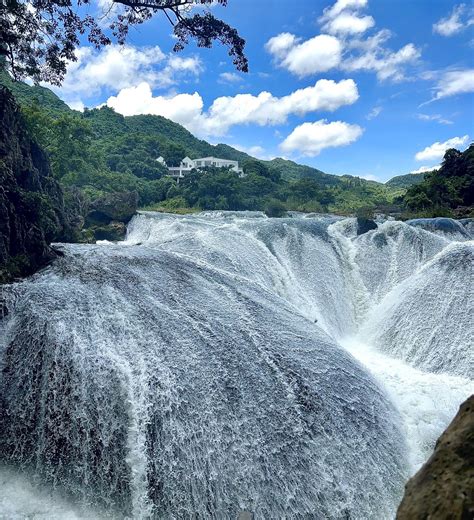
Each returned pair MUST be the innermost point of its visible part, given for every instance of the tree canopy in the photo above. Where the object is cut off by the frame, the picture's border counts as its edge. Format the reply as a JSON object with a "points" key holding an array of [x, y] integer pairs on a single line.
{"points": [[39, 37], [448, 191]]}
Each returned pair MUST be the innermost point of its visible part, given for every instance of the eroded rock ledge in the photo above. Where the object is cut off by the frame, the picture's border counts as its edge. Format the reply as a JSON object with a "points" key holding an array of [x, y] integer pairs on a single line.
{"points": [[443, 489]]}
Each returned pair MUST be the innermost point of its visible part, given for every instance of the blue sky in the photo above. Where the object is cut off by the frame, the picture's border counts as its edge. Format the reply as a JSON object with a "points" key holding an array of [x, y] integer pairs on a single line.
{"points": [[373, 88]]}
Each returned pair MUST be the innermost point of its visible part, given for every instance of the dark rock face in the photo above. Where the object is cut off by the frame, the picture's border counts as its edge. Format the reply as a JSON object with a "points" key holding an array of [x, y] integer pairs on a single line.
{"points": [[113, 232], [364, 225], [118, 207], [31, 200], [443, 489]]}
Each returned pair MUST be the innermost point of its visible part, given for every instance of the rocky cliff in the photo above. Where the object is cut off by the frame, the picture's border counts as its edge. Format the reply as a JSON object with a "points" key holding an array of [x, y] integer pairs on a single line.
{"points": [[443, 489], [31, 200]]}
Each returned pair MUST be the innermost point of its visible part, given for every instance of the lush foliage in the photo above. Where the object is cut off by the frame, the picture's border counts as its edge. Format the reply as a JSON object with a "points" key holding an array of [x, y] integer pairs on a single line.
{"points": [[405, 181], [39, 37], [448, 191], [101, 151]]}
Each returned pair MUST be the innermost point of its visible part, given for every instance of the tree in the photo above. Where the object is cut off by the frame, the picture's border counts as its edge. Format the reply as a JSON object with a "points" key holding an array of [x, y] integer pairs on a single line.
{"points": [[39, 37], [255, 167]]}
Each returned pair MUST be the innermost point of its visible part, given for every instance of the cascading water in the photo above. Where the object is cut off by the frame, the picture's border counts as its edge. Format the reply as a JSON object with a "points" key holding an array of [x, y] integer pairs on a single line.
{"points": [[226, 362]]}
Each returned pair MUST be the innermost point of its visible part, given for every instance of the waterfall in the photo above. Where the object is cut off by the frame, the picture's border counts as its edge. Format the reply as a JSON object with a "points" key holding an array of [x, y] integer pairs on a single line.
{"points": [[226, 362]]}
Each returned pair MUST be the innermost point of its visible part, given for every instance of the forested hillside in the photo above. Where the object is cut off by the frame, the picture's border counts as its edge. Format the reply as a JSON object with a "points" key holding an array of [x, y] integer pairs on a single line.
{"points": [[405, 181], [448, 191], [100, 151]]}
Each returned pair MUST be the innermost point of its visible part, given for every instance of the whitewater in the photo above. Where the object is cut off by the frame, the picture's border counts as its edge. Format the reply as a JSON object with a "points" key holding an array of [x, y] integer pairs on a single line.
{"points": [[226, 364]]}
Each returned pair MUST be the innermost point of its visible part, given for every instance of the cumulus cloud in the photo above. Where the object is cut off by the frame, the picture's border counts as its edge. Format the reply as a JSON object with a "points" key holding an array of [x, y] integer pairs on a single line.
{"points": [[342, 5], [227, 111], [311, 138], [344, 47], [349, 23], [279, 46], [344, 18], [424, 169], [460, 18], [453, 83], [120, 66], [372, 55], [318, 54], [436, 150]]}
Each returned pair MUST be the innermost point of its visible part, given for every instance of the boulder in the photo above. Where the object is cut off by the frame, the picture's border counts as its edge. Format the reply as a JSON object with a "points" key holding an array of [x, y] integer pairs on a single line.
{"points": [[443, 489], [113, 232], [365, 224], [118, 206]]}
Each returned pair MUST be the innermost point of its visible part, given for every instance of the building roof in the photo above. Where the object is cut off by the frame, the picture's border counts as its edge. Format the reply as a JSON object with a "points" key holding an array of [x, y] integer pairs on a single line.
{"points": [[214, 159]]}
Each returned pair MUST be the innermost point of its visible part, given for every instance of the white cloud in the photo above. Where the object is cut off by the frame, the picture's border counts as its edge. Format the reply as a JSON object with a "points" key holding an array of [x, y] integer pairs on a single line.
{"points": [[227, 111], [375, 112], [230, 77], [345, 47], [349, 23], [369, 177], [120, 66], [341, 5], [424, 169], [434, 117], [372, 55], [182, 108], [455, 82], [460, 18], [280, 45], [436, 150], [344, 18], [317, 54], [255, 151], [77, 105], [311, 138]]}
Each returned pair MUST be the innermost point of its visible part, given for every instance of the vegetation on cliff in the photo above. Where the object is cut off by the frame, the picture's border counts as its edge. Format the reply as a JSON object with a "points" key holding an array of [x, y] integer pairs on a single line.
{"points": [[448, 191], [32, 210]]}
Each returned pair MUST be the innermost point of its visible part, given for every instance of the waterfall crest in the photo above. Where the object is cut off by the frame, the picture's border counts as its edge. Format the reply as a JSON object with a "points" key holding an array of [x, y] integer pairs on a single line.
{"points": [[196, 370]]}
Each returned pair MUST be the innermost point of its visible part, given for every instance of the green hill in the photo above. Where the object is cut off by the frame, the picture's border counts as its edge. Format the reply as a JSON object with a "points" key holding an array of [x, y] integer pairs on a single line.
{"points": [[100, 151], [405, 181], [28, 95]]}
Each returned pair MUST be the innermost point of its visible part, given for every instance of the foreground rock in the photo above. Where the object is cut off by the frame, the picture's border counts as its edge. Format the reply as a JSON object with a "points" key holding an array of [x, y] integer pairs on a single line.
{"points": [[31, 200], [443, 489]]}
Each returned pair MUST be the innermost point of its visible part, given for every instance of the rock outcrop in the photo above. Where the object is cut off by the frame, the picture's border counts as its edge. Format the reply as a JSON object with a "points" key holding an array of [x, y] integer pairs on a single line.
{"points": [[443, 489], [107, 215], [31, 200], [118, 207], [365, 224]]}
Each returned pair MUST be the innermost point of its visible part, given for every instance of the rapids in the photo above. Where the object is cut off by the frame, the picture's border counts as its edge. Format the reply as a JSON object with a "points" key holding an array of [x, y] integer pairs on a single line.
{"points": [[226, 362]]}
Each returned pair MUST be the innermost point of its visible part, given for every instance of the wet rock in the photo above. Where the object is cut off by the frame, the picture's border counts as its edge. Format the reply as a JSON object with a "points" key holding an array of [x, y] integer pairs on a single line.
{"points": [[443, 489], [120, 207], [113, 232], [364, 225]]}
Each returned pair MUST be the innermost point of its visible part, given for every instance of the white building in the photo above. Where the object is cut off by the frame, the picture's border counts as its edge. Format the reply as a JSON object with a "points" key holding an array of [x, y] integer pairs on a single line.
{"points": [[187, 164]]}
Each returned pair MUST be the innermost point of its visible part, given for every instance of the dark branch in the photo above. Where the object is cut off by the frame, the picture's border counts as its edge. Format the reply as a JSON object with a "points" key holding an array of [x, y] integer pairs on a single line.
{"points": [[39, 37]]}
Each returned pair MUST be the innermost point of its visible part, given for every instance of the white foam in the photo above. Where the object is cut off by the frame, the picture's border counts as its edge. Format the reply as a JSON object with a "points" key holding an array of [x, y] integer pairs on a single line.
{"points": [[427, 402], [20, 499]]}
